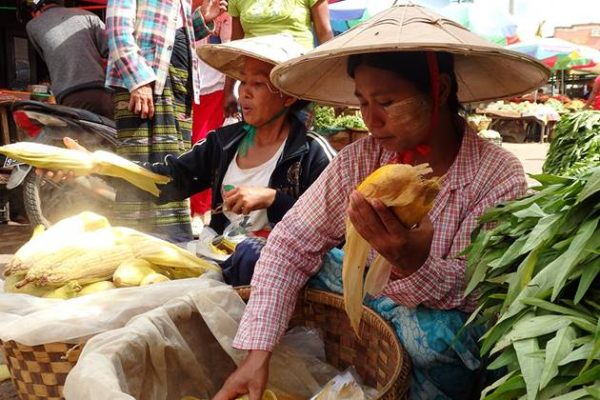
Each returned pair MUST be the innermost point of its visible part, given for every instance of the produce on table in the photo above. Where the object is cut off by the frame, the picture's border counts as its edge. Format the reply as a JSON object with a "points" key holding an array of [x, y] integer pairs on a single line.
{"points": [[84, 163], [83, 254], [524, 108], [535, 262], [324, 119], [403, 188], [575, 146], [575, 105]]}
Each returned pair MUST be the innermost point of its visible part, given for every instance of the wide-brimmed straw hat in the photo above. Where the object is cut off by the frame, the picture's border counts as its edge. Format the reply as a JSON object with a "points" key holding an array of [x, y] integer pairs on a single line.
{"points": [[484, 71], [229, 57]]}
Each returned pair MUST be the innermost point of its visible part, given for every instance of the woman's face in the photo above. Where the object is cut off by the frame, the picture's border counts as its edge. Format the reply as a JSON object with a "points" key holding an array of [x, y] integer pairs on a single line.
{"points": [[397, 114], [259, 99]]}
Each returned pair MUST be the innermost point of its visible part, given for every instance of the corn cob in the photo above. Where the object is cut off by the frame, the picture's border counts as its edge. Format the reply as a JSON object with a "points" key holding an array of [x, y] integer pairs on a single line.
{"points": [[96, 287], [101, 240], [132, 272], [152, 278], [403, 188], [67, 291], [84, 163], [44, 244], [49, 157], [30, 288], [112, 165], [162, 253], [94, 266]]}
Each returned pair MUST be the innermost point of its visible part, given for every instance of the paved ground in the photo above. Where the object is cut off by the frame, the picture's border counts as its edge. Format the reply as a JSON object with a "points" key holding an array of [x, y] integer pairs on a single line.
{"points": [[532, 156]]}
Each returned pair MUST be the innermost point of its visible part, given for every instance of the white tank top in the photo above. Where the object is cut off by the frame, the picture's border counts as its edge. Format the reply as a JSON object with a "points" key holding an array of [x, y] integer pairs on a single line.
{"points": [[258, 176]]}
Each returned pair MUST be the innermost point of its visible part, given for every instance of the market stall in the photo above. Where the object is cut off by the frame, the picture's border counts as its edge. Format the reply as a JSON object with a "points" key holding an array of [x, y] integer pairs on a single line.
{"points": [[523, 120]]}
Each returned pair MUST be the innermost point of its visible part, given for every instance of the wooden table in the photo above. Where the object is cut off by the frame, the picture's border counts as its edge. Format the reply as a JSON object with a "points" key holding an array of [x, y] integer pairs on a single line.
{"points": [[498, 117]]}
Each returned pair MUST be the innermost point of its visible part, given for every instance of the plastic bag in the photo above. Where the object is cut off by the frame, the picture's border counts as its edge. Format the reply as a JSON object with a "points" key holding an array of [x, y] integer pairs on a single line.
{"points": [[33, 320], [345, 386], [171, 352]]}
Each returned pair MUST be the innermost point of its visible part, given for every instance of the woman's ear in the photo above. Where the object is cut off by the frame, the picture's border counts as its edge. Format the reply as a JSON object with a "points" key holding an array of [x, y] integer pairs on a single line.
{"points": [[289, 101], [445, 88]]}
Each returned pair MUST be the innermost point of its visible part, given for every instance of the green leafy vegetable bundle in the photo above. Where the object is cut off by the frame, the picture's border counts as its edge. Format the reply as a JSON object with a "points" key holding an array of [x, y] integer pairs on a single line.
{"points": [[575, 146], [535, 262], [325, 119]]}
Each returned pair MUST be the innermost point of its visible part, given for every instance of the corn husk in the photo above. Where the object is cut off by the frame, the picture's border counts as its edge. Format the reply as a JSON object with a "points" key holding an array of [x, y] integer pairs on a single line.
{"points": [[84, 163], [411, 196]]}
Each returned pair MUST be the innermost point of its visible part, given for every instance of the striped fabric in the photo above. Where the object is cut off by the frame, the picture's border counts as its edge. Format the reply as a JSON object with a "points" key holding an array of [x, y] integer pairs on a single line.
{"points": [[141, 36], [144, 140], [482, 175]]}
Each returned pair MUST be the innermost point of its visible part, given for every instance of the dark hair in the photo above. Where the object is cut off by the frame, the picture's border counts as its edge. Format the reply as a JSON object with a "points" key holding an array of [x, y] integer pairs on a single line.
{"points": [[298, 106], [411, 66]]}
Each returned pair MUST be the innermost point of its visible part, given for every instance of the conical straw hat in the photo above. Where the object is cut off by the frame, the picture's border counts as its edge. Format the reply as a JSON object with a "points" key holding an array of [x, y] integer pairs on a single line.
{"points": [[483, 70], [229, 57]]}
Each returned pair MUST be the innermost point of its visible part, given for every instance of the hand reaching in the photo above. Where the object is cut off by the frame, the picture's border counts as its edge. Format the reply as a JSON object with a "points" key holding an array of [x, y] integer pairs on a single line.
{"points": [[244, 199], [250, 377], [59, 175], [211, 9]]}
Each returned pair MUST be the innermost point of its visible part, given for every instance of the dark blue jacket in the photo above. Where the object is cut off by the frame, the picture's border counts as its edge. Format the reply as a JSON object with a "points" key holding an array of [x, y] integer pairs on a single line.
{"points": [[304, 157]]}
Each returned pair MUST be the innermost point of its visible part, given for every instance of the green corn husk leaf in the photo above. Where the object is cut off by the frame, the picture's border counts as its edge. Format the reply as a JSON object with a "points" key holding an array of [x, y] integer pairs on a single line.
{"points": [[504, 359], [591, 375], [586, 237], [592, 187], [498, 383], [574, 395], [531, 367], [496, 332], [580, 354], [531, 327], [556, 309], [590, 272], [556, 349]]}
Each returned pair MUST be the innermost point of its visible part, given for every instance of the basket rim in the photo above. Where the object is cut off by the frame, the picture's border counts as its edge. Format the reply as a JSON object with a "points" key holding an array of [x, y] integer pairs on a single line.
{"points": [[337, 301]]}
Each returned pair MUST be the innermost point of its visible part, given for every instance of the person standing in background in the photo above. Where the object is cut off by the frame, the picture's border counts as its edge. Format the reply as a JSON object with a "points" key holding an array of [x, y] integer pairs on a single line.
{"points": [[593, 100], [208, 114], [154, 69], [72, 43], [300, 18]]}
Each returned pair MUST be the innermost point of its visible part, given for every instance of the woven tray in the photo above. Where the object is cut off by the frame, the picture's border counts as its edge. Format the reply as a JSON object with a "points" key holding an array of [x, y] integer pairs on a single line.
{"points": [[39, 372], [378, 357]]}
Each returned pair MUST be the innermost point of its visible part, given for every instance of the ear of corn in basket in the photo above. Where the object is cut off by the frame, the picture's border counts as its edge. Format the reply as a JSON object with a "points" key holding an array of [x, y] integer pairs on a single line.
{"points": [[403, 188], [267, 395], [61, 263], [46, 242], [84, 163]]}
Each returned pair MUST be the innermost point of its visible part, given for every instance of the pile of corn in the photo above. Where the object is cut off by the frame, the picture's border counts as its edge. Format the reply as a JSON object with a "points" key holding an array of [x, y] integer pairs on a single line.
{"points": [[83, 254], [84, 163], [403, 188]]}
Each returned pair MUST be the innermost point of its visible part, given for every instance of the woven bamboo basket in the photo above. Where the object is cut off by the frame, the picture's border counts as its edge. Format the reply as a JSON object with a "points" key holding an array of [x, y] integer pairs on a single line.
{"points": [[39, 372], [378, 357]]}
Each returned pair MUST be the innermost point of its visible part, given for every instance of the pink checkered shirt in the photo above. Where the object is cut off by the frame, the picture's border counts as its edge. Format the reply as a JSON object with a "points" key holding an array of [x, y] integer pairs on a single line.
{"points": [[482, 175]]}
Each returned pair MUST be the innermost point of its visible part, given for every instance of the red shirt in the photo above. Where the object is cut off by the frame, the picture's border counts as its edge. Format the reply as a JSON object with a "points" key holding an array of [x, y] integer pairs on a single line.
{"points": [[482, 175]]}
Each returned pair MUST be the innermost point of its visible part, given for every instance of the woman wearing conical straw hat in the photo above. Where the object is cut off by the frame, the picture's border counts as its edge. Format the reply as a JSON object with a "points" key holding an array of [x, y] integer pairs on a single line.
{"points": [[409, 70]]}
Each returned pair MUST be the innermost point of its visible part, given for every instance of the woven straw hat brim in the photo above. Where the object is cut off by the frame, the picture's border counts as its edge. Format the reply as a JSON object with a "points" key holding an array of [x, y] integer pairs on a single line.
{"points": [[484, 71], [228, 58]]}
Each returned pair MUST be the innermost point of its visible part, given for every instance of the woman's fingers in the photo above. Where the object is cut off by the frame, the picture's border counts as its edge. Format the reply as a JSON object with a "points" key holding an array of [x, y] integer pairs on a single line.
{"points": [[73, 145], [150, 107]]}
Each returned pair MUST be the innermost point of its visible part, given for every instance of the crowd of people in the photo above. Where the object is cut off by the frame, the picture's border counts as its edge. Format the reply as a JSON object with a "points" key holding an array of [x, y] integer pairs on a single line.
{"points": [[270, 173]]}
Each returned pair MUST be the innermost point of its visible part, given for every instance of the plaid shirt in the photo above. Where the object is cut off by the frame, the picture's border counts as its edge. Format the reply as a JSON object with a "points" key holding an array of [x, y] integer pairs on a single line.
{"points": [[482, 175], [140, 41]]}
